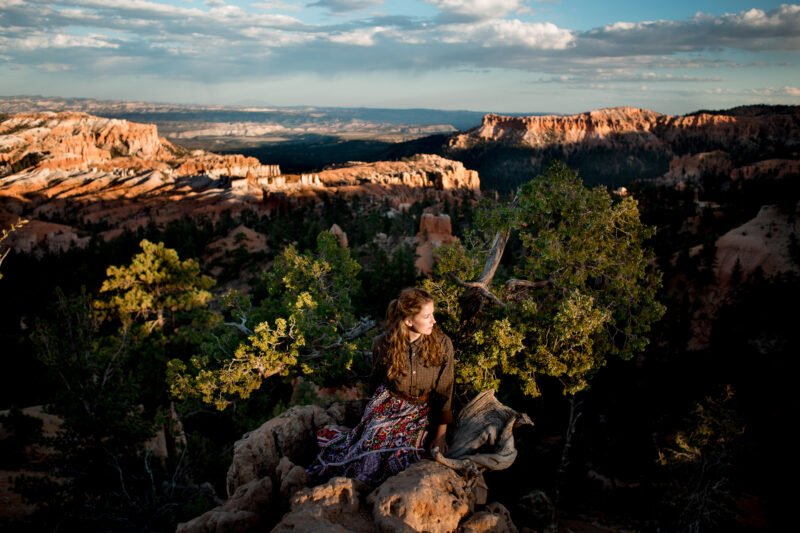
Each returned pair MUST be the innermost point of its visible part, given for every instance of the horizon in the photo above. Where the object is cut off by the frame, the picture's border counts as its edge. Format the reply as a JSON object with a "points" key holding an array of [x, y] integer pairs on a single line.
{"points": [[254, 108], [485, 56]]}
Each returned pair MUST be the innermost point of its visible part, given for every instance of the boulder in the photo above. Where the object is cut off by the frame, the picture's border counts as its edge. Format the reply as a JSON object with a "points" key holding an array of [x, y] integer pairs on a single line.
{"points": [[427, 496], [292, 434], [495, 518], [247, 510], [332, 507]]}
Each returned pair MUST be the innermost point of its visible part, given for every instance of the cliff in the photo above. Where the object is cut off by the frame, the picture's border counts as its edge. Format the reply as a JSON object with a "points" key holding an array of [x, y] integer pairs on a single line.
{"points": [[76, 142], [618, 145], [64, 171], [628, 127]]}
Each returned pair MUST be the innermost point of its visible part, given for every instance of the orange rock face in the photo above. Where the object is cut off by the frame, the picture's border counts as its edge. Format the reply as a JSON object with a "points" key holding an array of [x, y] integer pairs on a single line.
{"points": [[124, 175], [627, 127], [74, 141], [424, 170], [434, 231]]}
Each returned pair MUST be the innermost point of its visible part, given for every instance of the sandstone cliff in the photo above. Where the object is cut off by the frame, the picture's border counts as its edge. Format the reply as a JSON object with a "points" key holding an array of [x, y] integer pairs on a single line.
{"points": [[619, 145], [628, 127], [67, 170]]}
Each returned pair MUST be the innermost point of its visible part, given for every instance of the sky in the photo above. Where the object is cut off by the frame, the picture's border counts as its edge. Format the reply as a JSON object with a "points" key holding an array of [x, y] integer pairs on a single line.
{"points": [[506, 56]]}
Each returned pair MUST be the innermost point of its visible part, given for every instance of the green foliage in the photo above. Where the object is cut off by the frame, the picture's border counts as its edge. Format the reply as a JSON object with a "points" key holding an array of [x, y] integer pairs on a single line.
{"points": [[587, 289], [306, 324], [154, 287], [108, 359], [700, 462]]}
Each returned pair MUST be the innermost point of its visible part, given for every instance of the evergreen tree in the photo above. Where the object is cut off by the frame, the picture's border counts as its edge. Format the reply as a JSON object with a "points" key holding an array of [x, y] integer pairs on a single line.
{"points": [[579, 289]]}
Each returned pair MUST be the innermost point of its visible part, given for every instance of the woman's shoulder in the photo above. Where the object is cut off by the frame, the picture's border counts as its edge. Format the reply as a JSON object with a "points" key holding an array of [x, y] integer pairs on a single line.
{"points": [[443, 339]]}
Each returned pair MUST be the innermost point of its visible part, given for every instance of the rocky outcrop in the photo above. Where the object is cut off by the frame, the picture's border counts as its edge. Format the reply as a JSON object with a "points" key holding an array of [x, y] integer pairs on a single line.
{"points": [[619, 145], [763, 243], [292, 435], [495, 518], [423, 170], [427, 496], [696, 166], [434, 231], [79, 142], [265, 480], [59, 166], [628, 128], [588, 129], [766, 244], [332, 507]]}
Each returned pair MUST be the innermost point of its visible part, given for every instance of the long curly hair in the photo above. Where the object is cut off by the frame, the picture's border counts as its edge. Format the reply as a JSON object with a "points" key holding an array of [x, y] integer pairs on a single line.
{"points": [[408, 304]]}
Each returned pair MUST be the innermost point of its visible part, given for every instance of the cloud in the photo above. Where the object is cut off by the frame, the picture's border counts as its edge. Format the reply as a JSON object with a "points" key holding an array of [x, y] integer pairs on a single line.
{"points": [[509, 33], [213, 39], [469, 10], [42, 41], [360, 37], [792, 91], [345, 6], [282, 6], [754, 29]]}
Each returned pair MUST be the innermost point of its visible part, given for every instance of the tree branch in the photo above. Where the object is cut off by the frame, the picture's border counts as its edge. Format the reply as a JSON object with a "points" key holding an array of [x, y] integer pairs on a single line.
{"points": [[493, 260], [513, 284], [241, 326]]}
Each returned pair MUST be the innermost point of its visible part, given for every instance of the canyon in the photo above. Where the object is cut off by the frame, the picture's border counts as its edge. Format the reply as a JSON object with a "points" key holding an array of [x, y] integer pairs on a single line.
{"points": [[617, 146], [724, 184], [62, 171]]}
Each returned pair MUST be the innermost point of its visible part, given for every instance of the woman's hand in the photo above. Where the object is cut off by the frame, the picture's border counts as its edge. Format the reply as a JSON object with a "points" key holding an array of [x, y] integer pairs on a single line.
{"points": [[440, 440]]}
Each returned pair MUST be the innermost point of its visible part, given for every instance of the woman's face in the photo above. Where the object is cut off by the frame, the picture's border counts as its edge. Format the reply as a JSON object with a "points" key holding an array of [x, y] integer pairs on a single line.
{"points": [[421, 323]]}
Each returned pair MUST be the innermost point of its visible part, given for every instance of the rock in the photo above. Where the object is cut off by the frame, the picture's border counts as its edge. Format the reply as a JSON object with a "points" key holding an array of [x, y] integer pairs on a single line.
{"points": [[217, 521], [434, 231], [495, 518], [425, 497], [332, 507], [292, 434], [341, 236], [77, 166], [247, 510], [536, 510], [291, 479]]}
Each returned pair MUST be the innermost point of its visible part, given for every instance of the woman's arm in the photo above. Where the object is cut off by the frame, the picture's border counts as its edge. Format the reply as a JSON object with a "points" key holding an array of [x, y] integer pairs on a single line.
{"points": [[439, 440]]}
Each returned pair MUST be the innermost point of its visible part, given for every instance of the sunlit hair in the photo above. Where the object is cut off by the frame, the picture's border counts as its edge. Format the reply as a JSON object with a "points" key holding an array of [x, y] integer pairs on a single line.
{"points": [[407, 305]]}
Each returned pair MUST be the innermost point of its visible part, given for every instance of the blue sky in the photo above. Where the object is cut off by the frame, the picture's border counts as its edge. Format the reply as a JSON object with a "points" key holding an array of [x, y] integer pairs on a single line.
{"points": [[517, 56]]}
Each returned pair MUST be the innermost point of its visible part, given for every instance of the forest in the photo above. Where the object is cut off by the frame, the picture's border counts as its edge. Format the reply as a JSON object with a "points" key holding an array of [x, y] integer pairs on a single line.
{"points": [[574, 304]]}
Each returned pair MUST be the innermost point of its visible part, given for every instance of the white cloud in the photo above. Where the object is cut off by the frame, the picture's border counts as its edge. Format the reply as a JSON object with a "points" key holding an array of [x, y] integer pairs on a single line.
{"points": [[344, 6], [476, 9], [235, 40], [510, 33], [361, 37], [54, 67], [754, 29], [792, 91], [279, 6], [42, 41]]}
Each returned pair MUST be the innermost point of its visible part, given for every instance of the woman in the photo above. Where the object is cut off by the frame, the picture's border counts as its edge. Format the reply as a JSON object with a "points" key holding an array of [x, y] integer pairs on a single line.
{"points": [[412, 379]]}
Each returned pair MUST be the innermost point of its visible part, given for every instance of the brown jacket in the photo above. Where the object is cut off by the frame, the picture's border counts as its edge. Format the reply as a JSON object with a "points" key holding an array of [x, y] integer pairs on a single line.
{"points": [[436, 381]]}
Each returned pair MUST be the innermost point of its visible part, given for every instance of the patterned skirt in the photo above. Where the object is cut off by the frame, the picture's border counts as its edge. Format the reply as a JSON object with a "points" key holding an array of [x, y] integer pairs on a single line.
{"points": [[389, 438]]}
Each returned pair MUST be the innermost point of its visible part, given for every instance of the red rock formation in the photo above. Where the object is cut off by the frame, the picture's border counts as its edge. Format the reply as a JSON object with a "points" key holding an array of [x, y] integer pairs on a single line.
{"points": [[761, 243], [74, 141], [434, 231], [627, 127], [423, 170], [118, 172], [695, 166]]}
